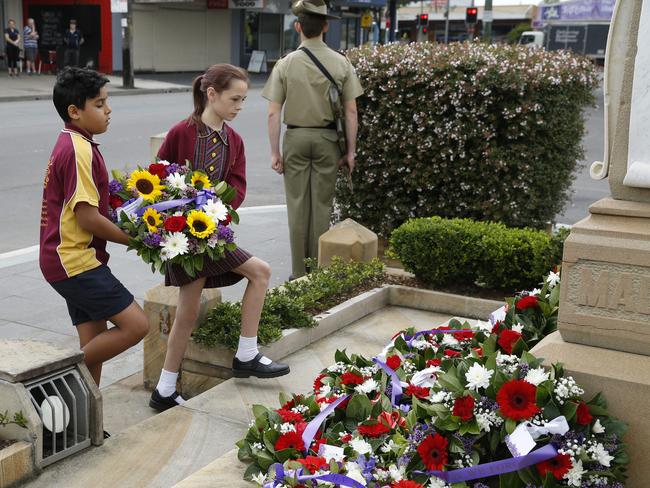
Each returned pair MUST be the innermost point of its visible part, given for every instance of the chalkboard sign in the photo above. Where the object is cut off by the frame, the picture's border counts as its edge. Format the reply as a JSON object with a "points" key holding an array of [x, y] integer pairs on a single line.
{"points": [[51, 28], [257, 63]]}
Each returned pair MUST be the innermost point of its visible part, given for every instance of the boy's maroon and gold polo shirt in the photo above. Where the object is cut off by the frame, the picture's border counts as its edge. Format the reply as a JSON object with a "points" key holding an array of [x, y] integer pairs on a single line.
{"points": [[75, 173]]}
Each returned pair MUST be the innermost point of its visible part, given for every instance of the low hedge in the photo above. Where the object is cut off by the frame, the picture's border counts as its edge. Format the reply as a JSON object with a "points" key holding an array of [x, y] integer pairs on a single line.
{"points": [[291, 306], [464, 252]]}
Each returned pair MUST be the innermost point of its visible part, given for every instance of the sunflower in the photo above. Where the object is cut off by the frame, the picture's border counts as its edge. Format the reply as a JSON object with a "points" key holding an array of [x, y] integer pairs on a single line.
{"points": [[152, 218], [200, 181], [147, 185], [200, 224]]}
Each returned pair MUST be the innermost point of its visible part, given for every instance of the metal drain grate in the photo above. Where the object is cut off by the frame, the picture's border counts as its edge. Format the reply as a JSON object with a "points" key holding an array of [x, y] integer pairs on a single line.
{"points": [[62, 402]]}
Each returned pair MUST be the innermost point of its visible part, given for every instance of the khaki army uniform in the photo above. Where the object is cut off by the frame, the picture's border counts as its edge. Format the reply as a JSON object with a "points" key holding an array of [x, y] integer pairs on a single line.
{"points": [[310, 150]]}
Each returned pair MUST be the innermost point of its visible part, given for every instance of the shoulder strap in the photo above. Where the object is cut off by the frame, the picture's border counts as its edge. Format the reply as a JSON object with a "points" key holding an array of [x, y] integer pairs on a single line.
{"points": [[320, 66]]}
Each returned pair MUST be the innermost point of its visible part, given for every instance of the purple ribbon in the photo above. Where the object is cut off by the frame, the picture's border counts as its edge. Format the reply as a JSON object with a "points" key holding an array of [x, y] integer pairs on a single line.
{"points": [[409, 340], [338, 479], [494, 468], [396, 390], [200, 199], [313, 426]]}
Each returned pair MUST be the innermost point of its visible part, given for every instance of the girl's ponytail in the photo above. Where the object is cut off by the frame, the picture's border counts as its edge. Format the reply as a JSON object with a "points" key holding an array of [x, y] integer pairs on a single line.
{"points": [[199, 99]]}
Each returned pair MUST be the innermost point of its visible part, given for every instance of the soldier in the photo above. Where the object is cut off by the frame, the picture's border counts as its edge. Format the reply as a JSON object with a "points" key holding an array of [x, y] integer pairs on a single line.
{"points": [[311, 154]]}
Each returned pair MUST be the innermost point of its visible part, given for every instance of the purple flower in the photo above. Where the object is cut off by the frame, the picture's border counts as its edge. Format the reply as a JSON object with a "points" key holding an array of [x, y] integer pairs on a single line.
{"points": [[152, 239], [225, 233], [193, 246], [174, 168], [114, 186]]}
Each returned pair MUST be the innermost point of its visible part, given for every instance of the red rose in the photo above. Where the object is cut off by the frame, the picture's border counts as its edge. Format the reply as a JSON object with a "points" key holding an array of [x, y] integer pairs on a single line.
{"points": [[433, 451], [434, 362], [227, 220], [529, 301], [313, 463], [373, 430], [516, 399], [464, 408], [351, 379], [393, 362], [346, 438], [290, 416], [290, 440], [559, 466], [159, 170], [507, 340], [583, 416], [417, 391], [497, 325], [175, 224], [115, 201]]}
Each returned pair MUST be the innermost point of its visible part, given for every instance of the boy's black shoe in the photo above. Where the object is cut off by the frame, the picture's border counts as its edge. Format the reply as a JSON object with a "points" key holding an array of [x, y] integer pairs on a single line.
{"points": [[244, 369], [161, 403]]}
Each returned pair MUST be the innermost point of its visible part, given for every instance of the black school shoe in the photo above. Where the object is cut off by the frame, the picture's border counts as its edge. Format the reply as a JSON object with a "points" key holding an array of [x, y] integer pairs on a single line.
{"points": [[161, 403], [244, 369]]}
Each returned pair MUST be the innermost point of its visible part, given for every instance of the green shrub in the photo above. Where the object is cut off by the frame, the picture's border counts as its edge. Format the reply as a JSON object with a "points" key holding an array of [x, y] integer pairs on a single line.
{"points": [[463, 252], [469, 130], [291, 306]]}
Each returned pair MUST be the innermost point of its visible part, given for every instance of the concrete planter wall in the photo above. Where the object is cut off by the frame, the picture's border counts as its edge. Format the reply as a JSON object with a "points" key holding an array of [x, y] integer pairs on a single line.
{"points": [[16, 463]]}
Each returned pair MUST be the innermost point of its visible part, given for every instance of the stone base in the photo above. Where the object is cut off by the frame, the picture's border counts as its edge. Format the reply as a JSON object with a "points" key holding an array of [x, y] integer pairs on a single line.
{"points": [[605, 299], [623, 379], [348, 240], [15, 464]]}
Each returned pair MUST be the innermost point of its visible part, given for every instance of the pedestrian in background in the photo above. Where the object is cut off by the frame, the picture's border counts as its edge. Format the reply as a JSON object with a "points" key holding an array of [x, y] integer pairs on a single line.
{"points": [[12, 47], [73, 39], [311, 153], [30, 41]]}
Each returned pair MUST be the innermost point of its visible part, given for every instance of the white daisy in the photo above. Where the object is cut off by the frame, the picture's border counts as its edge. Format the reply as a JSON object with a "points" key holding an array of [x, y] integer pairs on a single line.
{"points": [[216, 210], [536, 376], [176, 180], [175, 244], [478, 376]]}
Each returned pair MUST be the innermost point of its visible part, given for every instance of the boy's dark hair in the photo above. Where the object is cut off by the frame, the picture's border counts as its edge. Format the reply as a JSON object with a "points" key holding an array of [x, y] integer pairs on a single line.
{"points": [[311, 25], [73, 87]]}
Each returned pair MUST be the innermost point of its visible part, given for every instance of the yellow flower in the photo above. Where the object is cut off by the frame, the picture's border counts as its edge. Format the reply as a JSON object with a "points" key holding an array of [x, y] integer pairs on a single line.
{"points": [[152, 218], [200, 224], [147, 185], [200, 181]]}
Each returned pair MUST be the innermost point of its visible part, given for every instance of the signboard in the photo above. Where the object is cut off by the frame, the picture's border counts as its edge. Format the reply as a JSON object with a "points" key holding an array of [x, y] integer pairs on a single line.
{"points": [[567, 37], [257, 63], [119, 6], [239, 4], [487, 16], [578, 10], [366, 20], [217, 4]]}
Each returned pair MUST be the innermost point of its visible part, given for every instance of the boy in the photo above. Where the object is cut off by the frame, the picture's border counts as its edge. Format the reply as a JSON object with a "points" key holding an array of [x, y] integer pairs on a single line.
{"points": [[75, 224]]}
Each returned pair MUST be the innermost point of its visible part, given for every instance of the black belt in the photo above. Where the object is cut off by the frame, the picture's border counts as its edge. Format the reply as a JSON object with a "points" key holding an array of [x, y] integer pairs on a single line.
{"points": [[328, 126]]}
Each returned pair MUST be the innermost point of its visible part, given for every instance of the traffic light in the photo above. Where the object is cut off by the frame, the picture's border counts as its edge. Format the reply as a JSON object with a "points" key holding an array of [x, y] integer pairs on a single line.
{"points": [[471, 15], [423, 21]]}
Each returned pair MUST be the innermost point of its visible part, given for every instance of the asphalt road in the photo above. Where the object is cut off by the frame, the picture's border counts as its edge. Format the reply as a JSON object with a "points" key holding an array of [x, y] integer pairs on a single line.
{"points": [[29, 129]]}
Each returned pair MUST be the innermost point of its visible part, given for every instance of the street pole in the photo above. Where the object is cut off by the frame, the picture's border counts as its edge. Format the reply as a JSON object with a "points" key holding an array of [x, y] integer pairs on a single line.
{"points": [[447, 23], [487, 21], [127, 48], [392, 14], [471, 34]]}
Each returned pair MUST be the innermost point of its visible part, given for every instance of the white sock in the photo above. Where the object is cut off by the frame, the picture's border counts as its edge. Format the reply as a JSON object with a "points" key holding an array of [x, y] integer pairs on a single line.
{"points": [[167, 385], [247, 350]]}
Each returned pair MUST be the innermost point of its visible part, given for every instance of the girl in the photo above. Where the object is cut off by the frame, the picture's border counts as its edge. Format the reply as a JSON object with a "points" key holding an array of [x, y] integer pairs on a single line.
{"points": [[212, 146]]}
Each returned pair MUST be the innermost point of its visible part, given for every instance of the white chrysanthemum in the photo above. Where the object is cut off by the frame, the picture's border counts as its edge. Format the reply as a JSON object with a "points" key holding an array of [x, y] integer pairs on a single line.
{"points": [[438, 397], [601, 455], [360, 446], [478, 376], [367, 386], [536, 376], [176, 180], [175, 244], [574, 475], [426, 377], [449, 340], [598, 427], [553, 279], [216, 210], [420, 344], [518, 327]]}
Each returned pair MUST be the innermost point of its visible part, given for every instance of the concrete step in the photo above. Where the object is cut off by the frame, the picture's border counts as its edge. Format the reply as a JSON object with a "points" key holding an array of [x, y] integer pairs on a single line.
{"points": [[176, 445]]}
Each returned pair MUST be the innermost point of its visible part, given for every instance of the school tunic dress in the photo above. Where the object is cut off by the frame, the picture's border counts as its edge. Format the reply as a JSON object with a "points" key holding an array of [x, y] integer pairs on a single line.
{"points": [[220, 154]]}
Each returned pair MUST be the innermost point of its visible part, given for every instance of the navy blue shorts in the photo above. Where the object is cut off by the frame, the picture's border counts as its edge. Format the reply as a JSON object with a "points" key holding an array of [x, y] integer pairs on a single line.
{"points": [[93, 295]]}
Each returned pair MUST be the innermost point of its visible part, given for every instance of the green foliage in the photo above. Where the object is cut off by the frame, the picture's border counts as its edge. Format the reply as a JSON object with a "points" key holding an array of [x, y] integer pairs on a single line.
{"points": [[18, 419], [513, 36], [464, 252], [470, 130], [291, 306]]}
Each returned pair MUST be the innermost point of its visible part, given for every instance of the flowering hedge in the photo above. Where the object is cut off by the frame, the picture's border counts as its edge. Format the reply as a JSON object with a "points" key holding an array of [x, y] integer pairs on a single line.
{"points": [[461, 251], [489, 132]]}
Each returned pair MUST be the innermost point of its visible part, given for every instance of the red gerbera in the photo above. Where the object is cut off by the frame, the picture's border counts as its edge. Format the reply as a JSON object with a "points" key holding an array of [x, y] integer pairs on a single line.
{"points": [[583, 416], [450, 353], [529, 301], [290, 440], [158, 169], [292, 403], [507, 340], [313, 463], [516, 398], [417, 391], [393, 362], [464, 408], [433, 451], [434, 362], [289, 416], [351, 379], [115, 201], [374, 430], [406, 484], [559, 466], [461, 336], [318, 384]]}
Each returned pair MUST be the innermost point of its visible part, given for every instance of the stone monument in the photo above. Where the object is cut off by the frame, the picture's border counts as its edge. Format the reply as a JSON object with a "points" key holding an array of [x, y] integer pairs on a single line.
{"points": [[604, 320]]}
